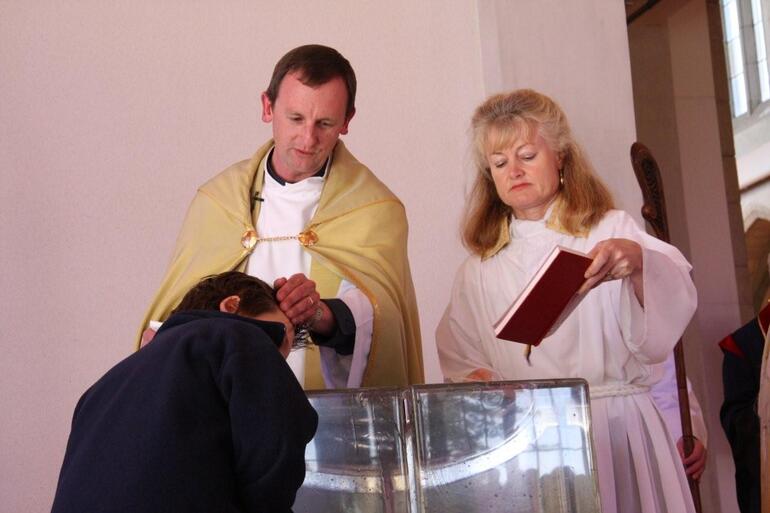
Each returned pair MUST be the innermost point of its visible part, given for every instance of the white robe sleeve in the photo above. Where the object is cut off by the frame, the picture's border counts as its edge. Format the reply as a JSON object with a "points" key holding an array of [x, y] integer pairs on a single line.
{"points": [[666, 398], [347, 371], [670, 298], [458, 338]]}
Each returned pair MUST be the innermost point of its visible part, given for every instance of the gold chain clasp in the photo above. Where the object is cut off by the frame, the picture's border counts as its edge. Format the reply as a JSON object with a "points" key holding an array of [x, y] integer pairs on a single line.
{"points": [[307, 238], [250, 239]]}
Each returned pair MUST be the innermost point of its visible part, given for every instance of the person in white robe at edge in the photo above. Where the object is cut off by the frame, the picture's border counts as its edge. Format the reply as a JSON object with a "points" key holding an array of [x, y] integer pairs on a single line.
{"points": [[534, 190]]}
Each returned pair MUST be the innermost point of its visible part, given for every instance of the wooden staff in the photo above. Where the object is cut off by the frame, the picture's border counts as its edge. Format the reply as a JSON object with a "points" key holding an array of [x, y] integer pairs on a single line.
{"points": [[654, 212]]}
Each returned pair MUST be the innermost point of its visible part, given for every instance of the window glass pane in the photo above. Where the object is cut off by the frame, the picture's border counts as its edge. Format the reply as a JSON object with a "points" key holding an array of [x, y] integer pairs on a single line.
{"points": [[738, 95], [759, 37], [759, 29], [735, 56], [764, 81], [732, 27]]}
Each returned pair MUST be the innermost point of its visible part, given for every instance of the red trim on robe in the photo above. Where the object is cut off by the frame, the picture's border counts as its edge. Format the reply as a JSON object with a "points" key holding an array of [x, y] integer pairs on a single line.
{"points": [[728, 344]]}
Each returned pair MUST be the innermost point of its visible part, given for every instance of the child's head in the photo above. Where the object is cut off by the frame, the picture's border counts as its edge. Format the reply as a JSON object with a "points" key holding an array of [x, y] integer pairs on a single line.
{"points": [[238, 293]]}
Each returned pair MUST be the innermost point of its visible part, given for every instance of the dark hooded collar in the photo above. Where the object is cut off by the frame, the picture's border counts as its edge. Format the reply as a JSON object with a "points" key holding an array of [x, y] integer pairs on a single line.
{"points": [[275, 330]]}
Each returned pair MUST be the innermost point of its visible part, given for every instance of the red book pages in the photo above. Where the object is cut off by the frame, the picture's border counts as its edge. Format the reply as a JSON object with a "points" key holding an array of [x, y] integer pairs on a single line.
{"points": [[546, 300]]}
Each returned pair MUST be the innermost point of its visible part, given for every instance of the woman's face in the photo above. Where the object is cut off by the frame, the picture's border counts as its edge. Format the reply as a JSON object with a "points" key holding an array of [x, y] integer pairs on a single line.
{"points": [[526, 174]]}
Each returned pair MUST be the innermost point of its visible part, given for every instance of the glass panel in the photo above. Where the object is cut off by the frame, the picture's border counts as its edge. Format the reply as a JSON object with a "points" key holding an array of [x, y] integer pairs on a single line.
{"points": [[764, 81], [732, 27], [507, 446], [735, 56], [738, 95], [491, 447], [759, 37], [356, 461]]}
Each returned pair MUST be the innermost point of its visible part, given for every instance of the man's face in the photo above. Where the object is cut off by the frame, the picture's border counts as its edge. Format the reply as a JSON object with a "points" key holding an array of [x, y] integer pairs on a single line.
{"points": [[307, 121]]}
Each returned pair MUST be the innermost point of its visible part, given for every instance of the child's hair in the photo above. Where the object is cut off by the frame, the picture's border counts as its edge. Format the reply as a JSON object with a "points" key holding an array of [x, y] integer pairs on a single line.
{"points": [[257, 297]]}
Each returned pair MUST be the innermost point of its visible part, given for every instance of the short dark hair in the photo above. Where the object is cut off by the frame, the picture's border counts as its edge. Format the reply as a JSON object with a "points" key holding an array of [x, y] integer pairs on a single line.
{"points": [[257, 297], [316, 65]]}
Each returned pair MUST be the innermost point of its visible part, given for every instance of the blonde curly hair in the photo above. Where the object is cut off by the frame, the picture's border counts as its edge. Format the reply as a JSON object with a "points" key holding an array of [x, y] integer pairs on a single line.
{"points": [[526, 113]]}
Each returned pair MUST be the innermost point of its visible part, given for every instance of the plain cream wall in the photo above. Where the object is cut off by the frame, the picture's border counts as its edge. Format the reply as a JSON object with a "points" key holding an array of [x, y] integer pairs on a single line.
{"points": [[111, 116]]}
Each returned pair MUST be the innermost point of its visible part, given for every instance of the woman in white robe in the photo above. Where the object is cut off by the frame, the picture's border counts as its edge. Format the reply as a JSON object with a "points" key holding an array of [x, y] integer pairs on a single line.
{"points": [[535, 190]]}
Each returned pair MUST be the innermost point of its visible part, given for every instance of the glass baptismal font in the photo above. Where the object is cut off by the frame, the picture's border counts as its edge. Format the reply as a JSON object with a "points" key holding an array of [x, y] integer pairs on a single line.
{"points": [[505, 446]]}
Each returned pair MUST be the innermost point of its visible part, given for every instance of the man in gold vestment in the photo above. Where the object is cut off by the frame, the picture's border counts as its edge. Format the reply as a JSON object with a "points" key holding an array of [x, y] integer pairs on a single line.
{"points": [[304, 214]]}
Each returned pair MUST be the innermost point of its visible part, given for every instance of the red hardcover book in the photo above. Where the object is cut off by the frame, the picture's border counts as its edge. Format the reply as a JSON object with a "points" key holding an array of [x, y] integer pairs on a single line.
{"points": [[547, 299]]}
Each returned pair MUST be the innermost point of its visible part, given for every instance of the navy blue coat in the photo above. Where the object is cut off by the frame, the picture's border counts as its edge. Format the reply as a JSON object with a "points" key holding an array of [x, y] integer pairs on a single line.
{"points": [[206, 418], [741, 369]]}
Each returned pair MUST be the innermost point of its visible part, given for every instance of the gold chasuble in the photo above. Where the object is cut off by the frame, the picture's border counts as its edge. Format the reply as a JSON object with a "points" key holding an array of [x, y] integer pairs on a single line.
{"points": [[358, 233]]}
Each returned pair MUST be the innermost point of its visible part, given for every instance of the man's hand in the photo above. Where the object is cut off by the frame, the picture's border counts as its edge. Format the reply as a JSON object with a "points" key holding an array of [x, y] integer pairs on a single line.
{"points": [[300, 302], [695, 463]]}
